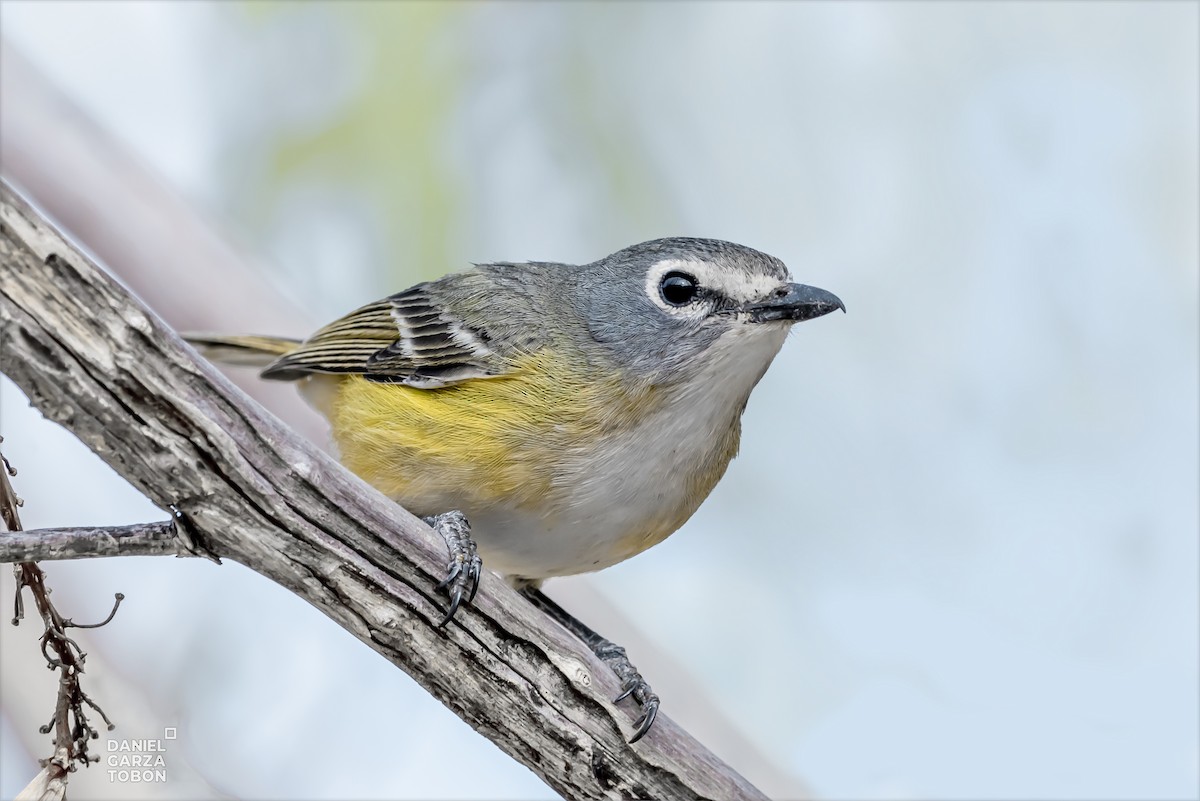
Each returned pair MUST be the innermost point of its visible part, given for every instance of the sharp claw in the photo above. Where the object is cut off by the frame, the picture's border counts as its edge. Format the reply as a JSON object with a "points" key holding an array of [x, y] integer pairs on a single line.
{"points": [[649, 703], [454, 603], [455, 570], [644, 723], [474, 580]]}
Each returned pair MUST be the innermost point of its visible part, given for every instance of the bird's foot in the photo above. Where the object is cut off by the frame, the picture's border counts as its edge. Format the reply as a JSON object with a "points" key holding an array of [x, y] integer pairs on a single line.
{"points": [[632, 684], [465, 567]]}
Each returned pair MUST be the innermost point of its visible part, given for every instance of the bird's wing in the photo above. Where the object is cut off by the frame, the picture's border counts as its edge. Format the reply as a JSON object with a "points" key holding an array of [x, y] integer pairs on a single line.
{"points": [[409, 338]]}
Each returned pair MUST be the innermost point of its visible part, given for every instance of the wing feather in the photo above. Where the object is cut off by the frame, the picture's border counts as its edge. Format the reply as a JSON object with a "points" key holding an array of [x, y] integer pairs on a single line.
{"points": [[408, 338]]}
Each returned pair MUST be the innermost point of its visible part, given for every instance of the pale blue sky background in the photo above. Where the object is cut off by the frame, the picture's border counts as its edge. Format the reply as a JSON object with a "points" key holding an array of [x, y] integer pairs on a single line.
{"points": [[957, 556]]}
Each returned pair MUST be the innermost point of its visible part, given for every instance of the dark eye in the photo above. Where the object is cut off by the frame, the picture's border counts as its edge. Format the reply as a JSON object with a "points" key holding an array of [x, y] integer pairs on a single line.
{"points": [[678, 289]]}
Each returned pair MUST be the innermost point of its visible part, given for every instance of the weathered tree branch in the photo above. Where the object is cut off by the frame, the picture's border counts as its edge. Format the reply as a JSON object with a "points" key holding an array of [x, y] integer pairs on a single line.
{"points": [[92, 358]]}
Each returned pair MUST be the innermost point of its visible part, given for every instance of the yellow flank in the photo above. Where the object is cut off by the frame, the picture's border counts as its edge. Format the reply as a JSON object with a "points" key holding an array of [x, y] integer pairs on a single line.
{"points": [[489, 439]]}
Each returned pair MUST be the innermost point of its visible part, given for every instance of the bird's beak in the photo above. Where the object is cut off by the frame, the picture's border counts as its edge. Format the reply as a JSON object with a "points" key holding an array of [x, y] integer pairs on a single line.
{"points": [[794, 303]]}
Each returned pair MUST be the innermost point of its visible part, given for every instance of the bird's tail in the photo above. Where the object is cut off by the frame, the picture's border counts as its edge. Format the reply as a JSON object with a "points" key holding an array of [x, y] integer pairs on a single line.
{"points": [[243, 350]]}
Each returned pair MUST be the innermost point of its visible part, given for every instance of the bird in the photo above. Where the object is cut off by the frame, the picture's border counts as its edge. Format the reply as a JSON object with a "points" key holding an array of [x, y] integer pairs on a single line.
{"points": [[549, 419]]}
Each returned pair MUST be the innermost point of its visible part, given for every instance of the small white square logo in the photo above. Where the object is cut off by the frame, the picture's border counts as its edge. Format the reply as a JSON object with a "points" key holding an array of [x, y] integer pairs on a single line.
{"points": [[169, 733]]}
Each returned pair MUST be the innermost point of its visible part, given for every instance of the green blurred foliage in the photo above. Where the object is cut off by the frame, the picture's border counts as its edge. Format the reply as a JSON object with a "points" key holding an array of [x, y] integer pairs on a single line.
{"points": [[421, 65], [384, 141]]}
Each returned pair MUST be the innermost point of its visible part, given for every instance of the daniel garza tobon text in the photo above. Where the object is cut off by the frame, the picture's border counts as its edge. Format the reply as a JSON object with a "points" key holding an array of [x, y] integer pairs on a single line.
{"points": [[138, 761]]}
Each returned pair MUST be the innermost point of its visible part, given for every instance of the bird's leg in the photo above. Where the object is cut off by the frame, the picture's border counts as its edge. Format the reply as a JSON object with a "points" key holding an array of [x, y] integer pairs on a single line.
{"points": [[463, 572], [611, 654]]}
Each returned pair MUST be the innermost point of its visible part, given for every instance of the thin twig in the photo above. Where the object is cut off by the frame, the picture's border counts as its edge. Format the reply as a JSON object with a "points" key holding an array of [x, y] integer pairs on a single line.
{"points": [[72, 730], [118, 597]]}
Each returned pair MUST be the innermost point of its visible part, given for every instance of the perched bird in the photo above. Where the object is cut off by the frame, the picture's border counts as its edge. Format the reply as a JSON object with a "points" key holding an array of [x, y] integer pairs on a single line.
{"points": [[576, 415]]}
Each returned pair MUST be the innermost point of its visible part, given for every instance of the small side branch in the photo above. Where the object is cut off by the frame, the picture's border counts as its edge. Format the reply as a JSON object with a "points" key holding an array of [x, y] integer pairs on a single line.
{"points": [[89, 542]]}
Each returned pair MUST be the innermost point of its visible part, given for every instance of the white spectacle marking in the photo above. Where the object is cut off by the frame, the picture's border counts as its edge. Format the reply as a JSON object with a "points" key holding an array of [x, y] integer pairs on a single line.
{"points": [[735, 284]]}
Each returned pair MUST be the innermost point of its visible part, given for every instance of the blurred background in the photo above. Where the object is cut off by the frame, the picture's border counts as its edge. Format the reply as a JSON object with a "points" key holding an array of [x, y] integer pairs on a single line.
{"points": [[958, 555]]}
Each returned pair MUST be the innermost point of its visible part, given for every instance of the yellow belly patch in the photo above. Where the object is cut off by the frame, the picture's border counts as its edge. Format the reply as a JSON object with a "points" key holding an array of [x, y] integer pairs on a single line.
{"points": [[484, 440]]}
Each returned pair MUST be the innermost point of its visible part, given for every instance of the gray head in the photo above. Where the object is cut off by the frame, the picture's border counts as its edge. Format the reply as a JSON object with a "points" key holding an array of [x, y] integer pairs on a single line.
{"points": [[658, 307]]}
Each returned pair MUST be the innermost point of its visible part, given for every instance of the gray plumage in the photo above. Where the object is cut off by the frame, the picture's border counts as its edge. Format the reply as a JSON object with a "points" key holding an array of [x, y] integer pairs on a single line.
{"points": [[474, 323]]}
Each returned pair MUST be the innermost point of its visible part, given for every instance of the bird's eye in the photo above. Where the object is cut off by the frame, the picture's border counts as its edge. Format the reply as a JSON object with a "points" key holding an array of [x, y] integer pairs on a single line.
{"points": [[678, 289]]}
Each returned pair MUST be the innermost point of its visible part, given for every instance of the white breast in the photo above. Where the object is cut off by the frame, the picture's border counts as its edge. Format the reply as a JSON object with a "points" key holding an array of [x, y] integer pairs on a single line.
{"points": [[628, 481]]}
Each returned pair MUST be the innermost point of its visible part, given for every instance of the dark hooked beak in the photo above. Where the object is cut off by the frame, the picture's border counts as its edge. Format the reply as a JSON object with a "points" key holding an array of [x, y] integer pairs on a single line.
{"points": [[795, 302]]}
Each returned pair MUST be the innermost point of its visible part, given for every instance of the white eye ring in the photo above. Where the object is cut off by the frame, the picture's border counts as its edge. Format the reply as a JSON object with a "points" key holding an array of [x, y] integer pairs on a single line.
{"points": [[668, 283]]}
